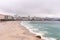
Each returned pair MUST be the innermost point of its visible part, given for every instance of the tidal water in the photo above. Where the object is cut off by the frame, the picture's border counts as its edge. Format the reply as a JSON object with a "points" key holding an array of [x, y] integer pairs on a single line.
{"points": [[48, 29]]}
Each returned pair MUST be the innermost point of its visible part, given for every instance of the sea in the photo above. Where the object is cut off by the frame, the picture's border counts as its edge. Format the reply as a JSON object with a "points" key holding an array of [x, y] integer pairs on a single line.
{"points": [[48, 30]]}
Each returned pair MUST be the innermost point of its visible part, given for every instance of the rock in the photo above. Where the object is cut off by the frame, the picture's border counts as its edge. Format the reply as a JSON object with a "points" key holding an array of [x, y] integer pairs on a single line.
{"points": [[38, 36]]}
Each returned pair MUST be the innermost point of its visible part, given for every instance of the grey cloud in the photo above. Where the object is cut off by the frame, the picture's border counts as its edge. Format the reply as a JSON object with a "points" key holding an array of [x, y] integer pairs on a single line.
{"points": [[31, 7]]}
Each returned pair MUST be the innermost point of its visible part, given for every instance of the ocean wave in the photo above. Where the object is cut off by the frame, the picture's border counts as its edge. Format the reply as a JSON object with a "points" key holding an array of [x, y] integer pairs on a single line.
{"points": [[41, 33]]}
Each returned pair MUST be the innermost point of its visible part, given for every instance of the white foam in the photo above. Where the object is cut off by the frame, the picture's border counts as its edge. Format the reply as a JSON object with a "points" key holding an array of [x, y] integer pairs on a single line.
{"points": [[49, 38], [41, 33]]}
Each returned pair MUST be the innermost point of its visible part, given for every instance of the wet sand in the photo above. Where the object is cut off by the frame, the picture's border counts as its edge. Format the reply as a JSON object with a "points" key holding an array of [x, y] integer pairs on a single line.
{"points": [[13, 30]]}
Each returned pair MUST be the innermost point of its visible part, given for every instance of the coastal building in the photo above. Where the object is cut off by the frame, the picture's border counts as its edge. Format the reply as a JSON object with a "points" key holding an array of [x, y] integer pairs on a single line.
{"points": [[18, 18], [5, 16], [8, 17], [29, 18], [2, 16]]}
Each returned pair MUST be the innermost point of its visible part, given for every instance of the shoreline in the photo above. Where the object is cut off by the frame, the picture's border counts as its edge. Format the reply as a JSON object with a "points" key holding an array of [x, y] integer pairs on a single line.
{"points": [[30, 31]]}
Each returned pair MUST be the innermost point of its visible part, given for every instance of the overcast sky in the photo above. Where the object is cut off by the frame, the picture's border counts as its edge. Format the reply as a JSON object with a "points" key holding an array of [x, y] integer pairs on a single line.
{"points": [[40, 8]]}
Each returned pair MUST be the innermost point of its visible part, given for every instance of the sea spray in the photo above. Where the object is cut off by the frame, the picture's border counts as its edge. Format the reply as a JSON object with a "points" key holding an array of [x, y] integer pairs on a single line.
{"points": [[41, 33]]}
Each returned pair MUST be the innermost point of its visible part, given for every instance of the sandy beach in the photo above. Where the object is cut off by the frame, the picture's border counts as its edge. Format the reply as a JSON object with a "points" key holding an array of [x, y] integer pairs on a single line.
{"points": [[13, 30]]}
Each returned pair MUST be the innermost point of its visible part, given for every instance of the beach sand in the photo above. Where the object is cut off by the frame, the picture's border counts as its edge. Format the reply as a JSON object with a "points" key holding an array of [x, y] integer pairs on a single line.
{"points": [[13, 30]]}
